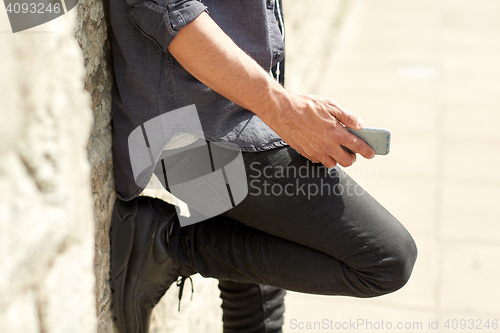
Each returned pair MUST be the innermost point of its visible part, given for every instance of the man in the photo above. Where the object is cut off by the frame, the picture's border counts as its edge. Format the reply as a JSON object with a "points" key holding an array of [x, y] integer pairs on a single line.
{"points": [[217, 55]]}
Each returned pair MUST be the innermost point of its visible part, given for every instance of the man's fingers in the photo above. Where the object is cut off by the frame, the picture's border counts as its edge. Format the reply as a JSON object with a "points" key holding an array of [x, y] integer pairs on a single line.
{"points": [[310, 158], [345, 158], [340, 155], [304, 152], [358, 146], [346, 117], [328, 161], [322, 132]]}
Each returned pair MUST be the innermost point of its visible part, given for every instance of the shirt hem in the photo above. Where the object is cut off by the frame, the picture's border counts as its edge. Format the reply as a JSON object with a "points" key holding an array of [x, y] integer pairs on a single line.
{"points": [[248, 149]]}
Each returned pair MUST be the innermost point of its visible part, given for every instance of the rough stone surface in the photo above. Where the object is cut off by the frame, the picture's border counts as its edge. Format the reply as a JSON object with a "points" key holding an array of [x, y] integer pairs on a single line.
{"points": [[91, 31], [46, 224]]}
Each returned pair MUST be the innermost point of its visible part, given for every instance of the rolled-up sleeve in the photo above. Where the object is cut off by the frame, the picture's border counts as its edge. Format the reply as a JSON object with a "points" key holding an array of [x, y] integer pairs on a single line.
{"points": [[161, 20]]}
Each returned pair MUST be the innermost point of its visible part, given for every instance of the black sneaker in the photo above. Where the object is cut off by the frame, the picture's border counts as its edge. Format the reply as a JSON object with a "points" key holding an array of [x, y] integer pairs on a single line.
{"points": [[141, 269]]}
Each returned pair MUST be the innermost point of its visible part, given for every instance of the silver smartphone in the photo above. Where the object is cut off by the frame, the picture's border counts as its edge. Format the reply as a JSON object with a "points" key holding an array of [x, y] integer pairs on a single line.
{"points": [[377, 138]]}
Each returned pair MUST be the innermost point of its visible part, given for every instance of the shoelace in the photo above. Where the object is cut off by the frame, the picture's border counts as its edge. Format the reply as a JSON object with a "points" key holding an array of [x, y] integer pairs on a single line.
{"points": [[182, 279], [180, 284]]}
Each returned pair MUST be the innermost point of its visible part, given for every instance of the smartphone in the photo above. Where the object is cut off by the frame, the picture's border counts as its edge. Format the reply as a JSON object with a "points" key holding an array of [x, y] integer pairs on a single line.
{"points": [[377, 138]]}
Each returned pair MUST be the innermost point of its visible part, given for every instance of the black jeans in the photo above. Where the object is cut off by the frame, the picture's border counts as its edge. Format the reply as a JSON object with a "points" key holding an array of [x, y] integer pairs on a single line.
{"points": [[302, 229]]}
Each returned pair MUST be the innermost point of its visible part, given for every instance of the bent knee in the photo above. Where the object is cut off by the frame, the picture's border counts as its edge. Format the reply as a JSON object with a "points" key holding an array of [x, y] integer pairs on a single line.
{"points": [[393, 270], [398, 266]]}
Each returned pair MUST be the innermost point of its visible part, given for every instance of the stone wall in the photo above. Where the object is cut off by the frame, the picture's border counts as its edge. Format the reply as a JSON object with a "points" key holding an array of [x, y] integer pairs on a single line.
{"points": [[91, 32], [46, 223]]}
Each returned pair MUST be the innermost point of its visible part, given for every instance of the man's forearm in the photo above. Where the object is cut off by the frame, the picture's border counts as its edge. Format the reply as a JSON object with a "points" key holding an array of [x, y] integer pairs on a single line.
{"points": [[310, 124], [206, 52]]}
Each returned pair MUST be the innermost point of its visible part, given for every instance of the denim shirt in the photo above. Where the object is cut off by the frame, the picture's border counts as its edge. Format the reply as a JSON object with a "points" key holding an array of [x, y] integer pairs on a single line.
{"points": [[149, 81]]}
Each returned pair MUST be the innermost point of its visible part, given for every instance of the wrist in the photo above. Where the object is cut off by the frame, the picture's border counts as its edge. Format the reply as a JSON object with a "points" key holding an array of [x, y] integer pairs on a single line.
{"points": [[274, 103]]}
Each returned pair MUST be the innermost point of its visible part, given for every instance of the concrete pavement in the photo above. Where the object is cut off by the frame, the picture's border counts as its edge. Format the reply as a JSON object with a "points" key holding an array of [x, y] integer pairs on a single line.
{"points": [[429, 71]]}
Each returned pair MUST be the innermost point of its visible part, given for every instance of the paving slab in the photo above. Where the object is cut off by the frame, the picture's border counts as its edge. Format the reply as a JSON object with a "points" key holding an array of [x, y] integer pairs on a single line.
{"points": [[430, 72]]}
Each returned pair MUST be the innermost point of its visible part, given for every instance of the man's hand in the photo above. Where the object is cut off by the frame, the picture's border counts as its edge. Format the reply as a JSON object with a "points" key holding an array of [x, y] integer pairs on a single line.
{"points": [[313, 125], [310, 124]]}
